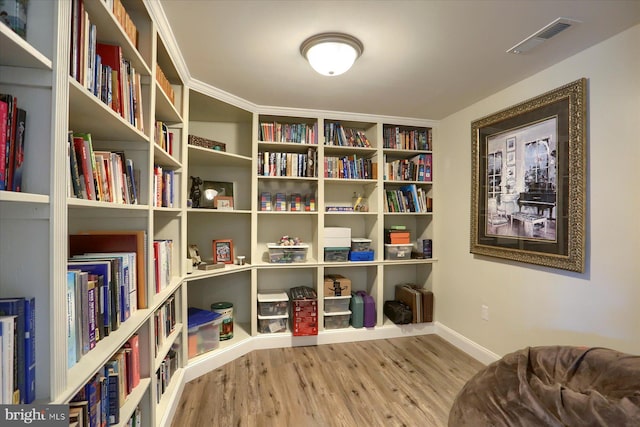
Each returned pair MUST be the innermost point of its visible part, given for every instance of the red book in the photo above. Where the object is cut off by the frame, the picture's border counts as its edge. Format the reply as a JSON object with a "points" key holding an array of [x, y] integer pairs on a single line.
{"points": [[85, 166], [134, 345], [11, 148], [4, 115], [111, 55]]}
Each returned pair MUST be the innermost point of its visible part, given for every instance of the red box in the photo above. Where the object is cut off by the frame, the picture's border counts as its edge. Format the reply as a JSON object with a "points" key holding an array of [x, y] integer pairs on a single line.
{"points": [[304, 317]]}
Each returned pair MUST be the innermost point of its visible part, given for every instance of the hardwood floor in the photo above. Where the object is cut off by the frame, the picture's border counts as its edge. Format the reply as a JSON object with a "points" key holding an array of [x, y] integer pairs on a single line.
{"points": [[408, 381]]}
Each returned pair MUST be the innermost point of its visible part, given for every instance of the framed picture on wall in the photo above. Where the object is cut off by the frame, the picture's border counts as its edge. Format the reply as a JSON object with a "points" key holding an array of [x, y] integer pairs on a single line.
{"points": [[534, 211]]}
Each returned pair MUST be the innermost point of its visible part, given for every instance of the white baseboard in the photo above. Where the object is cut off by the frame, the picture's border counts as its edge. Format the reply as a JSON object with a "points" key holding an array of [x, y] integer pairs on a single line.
{"points": [[473, 349], [204, 364]]}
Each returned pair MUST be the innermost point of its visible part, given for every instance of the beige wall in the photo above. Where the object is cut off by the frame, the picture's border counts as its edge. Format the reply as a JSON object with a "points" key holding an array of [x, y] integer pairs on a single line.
{"points": [[531, 305]]}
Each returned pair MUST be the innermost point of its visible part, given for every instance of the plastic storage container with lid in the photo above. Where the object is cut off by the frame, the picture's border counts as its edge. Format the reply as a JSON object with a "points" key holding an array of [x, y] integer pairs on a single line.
{"points": [[272, 324], [204, 331], [335, 304], [274, 303], [282, 254], [360, 244], [337, 320]]}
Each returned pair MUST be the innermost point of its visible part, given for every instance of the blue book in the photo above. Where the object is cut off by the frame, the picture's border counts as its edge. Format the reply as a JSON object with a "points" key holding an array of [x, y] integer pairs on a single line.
{"points": [[15, 307], [72, 349], [103, 292], [30, 349]]}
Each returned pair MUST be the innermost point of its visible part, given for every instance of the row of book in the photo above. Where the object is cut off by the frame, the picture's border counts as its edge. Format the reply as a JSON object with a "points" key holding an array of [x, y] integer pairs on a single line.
{"points": [[168, 367], [164, 322], [101, 295], [349, 167], [163, 137], [17, 350], [165, 84], [98, 403], [102, 69], [295, 202], [162, 256], [403, 138], [163, 187], [288, 164], [416, 168], [13, 122], [336, 134], [408, 198], [300, 133], [100, 175]]}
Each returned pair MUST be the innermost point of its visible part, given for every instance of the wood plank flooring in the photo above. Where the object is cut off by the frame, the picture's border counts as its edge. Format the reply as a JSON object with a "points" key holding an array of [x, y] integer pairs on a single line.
{"points": [[409, 381]]}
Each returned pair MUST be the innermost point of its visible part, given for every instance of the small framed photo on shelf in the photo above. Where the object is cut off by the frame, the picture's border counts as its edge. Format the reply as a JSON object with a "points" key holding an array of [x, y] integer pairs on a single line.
{"points": [[223, 203], [511, 143], [216, 190], [223, 251]]}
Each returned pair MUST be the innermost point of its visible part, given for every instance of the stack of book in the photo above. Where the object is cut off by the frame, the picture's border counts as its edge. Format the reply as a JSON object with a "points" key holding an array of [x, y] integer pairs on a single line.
{"points": [[300, 133], [164, 322], [13, 122], [17, 350], [336, 134], [101, 68], [106, 176], [288, 164], [417, 168], [407, 138], [165, 84], [98, 402]]}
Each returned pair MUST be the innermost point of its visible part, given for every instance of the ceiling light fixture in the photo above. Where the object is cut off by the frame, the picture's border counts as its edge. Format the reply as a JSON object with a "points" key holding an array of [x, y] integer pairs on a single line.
{"points": [[331, 54]]}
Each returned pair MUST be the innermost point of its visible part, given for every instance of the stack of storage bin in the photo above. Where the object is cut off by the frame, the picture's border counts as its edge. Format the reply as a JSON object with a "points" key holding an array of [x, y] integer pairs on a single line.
{"points": [[361, 249], [337, 242], [304, 311], [273, 312], [336, 311]]}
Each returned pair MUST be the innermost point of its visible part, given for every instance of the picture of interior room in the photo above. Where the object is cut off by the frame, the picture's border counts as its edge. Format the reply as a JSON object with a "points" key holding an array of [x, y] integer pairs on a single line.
{"points": [[263, 213]]}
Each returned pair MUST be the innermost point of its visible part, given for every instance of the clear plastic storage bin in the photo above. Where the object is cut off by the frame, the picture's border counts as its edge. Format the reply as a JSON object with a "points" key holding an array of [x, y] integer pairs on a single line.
{"points": [[272, 324], [359, 244], [287, 254], [336, 254], [204, 331], [337, 320], [397, 251], [274, 303], [336, 304]]}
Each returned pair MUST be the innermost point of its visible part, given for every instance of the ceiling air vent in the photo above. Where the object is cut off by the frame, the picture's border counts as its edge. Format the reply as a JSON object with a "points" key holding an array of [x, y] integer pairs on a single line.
{"points": [[543, 34]]}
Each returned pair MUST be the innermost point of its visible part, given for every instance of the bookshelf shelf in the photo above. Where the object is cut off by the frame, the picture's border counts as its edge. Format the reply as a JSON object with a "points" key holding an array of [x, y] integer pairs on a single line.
{"points": [[200, 156], [161, 157], [133, 400], [105, 124], [93, 204], [166, 346], [95, 359], [17, 52], [165, 110], [12, 196]]}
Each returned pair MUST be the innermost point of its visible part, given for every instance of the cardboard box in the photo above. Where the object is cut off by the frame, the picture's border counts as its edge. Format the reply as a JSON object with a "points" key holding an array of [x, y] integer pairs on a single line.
{"points": [[337, 237], [336, 285]]}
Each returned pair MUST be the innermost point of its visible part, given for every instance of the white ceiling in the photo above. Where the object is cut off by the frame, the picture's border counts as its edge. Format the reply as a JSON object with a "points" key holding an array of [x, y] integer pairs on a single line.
{"points": [[422, 59]]}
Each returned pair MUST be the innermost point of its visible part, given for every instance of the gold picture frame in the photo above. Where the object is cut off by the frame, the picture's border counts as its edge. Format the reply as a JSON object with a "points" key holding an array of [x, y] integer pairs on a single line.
{"points": [[528, 190]]}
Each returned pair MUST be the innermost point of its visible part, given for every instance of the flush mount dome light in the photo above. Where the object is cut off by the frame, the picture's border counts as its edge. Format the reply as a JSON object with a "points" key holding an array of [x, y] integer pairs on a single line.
{"points": [[331, 54]]}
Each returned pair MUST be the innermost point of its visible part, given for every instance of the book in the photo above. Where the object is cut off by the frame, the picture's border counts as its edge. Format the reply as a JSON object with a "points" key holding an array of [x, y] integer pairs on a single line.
{"points": [[84, 165], [7, 332], [4, 117], [133, 344], [30, 349], [111, 55], [116, 241], [102, 270], [15, 307], [7, 140], [72, 350]]}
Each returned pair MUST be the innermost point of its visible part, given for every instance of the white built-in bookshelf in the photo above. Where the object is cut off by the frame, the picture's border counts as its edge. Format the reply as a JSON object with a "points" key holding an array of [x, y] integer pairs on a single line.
{"points": [[35, 224]]}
